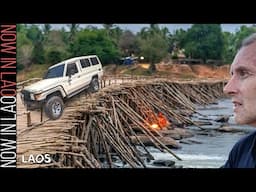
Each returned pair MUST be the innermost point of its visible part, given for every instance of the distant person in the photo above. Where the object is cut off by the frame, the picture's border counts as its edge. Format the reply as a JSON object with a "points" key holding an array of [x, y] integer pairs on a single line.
{"points": [[242, 89]]}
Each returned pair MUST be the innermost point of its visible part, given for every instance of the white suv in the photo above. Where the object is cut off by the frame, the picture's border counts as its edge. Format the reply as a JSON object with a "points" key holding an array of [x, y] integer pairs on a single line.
{"points": [[62, 81]]}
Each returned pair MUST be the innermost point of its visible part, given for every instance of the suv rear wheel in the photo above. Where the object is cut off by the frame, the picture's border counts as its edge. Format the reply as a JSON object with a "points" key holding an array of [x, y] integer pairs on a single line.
{"points": [[54, 107], [94, 86]]}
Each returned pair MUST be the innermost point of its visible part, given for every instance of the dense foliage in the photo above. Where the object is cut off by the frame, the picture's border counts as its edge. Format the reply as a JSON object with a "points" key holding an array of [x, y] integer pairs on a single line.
{"points": [[46, 45]]}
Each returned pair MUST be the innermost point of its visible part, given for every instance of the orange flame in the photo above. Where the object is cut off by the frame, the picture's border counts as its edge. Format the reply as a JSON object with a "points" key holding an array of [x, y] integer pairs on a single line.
{"points": [[154, 126], [162, 121]]}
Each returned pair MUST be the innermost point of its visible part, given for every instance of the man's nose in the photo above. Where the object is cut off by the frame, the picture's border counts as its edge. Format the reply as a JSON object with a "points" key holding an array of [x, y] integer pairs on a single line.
{"points": [[231, 87]]}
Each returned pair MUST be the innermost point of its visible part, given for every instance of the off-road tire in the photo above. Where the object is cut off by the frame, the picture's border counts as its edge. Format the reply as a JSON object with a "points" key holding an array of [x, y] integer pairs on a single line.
{"points": [[54, 107], [94, 85]]}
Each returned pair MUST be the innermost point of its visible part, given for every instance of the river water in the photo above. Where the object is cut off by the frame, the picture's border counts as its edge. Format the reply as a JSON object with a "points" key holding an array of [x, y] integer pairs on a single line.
{"points": [[211, 150]]}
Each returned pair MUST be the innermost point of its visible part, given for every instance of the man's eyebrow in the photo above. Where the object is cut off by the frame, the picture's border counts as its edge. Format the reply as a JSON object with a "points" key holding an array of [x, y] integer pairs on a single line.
{"points": [[240, 68]]}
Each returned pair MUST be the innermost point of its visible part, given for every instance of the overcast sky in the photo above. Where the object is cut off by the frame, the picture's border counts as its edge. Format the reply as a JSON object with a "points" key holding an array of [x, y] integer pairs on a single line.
{"points": [[137, 27], [172, 27]]}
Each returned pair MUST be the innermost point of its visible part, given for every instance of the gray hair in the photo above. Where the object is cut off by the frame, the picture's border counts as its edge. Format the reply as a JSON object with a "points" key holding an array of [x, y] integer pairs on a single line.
{"points": [[249, 40]]}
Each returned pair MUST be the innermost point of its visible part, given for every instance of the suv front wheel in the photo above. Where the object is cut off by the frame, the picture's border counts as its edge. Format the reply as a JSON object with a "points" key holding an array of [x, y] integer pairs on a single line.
{"points": [[54, 107]]}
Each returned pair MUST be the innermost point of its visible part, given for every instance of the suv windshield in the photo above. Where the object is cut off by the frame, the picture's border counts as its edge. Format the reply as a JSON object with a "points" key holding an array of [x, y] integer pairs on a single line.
{"points": [[55, 72]]}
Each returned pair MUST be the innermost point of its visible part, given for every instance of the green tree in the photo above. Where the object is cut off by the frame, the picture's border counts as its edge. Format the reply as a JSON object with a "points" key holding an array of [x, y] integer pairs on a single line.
{"points": [[38, 53], [95, 42], [233, 41], [54, 56], [147, 32], [108, 28], [37, 37], [24, 48], [229, 47], [204, 41], [46, 28], [243, 32], [56, 44], [127, 43], [177, 40], [21, 28], [153, 44], [46, 31], [34, 33], [73, 29], [154, 49], [113, 32]]}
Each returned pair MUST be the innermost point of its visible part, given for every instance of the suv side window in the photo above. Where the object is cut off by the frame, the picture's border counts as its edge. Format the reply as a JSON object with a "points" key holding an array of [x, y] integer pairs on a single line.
{"points": [[71, 69], [85, 63], [94, 61]]}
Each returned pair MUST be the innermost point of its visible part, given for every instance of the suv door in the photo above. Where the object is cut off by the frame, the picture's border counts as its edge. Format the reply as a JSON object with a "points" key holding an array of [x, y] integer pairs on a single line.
{"points": [[74, 82], [87, 70]]}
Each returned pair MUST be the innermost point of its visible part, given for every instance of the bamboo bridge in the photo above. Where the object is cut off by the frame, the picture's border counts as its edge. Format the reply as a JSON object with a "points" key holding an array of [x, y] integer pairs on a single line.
{"points": [[98, 128]]}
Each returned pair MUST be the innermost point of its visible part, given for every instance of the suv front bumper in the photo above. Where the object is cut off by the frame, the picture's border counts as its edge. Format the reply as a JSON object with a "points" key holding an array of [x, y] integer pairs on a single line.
{"points": [[30, 104]]}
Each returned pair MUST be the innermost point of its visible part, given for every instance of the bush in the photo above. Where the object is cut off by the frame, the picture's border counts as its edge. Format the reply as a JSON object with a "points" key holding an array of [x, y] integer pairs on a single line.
{"points": [[20, 67], [174, 56], [53, 56]]}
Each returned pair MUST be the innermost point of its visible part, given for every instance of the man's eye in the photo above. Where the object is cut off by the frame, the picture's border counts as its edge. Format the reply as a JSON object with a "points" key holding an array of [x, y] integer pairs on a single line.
{"points": [[243, 74]]}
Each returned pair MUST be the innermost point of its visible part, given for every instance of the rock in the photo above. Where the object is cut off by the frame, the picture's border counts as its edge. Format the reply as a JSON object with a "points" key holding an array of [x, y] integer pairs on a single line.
{"points": [[185, 142], [227, 129], [200, 123], [194, 141], [165, 163], [222, 119], [169, 142], [177, 133], [143, 138], [190, 141]]}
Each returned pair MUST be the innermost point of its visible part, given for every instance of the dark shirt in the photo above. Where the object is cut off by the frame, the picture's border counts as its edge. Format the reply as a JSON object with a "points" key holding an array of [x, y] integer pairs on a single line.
{"points": [[243, 154]]}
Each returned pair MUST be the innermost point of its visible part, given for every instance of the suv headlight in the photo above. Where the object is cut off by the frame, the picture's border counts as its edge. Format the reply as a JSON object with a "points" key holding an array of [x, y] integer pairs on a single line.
{"points": [[32, 96], [37, 96]]}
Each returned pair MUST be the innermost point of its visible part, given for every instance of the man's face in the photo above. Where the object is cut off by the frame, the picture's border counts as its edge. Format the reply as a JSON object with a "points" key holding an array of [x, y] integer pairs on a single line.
{"points": [[242, 85]]}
